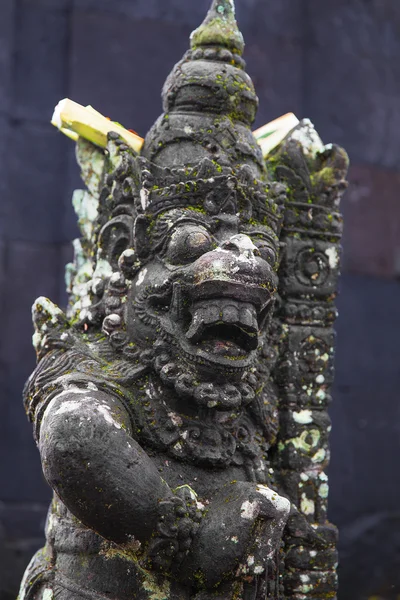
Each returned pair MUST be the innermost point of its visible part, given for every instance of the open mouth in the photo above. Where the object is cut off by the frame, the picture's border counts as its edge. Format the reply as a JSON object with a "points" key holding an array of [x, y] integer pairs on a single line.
{"points": [[224, 327], [214, 331]]}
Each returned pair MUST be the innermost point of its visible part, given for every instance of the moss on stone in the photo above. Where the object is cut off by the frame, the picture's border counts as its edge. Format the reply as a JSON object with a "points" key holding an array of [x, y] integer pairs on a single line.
{"points": [[219, 28]]}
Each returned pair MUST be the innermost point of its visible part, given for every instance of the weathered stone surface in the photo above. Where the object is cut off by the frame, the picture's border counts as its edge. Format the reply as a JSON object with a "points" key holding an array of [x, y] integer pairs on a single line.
{"points": [[167, 354], [67, 256], [352, 76], [372, 222], [373, 60]]}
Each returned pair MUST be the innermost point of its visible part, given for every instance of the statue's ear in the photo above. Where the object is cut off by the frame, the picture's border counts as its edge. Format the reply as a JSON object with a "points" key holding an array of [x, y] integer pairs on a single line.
{"points": [[115, 236], [141, 236]]}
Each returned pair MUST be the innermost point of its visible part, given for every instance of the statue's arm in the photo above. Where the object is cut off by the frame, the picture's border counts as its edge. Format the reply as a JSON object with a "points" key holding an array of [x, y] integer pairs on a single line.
{"points": [[97, 469], [109, 483]]}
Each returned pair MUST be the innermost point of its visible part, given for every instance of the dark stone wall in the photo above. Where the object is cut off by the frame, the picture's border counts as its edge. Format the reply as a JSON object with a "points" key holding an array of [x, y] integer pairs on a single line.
{"points": [[337, 63]]}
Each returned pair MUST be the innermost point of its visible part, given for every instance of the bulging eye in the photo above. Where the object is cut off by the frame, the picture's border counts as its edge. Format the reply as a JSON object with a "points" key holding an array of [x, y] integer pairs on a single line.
{"points": [[188, 243], [266, 252]]}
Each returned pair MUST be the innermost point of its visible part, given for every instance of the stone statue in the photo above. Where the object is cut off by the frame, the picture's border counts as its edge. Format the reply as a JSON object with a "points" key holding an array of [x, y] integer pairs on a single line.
{"points": [[180, 406]]}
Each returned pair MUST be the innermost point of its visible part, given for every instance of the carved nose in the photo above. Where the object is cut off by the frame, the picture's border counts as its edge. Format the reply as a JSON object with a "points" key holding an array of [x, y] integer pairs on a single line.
{"points": [[240, 245]]}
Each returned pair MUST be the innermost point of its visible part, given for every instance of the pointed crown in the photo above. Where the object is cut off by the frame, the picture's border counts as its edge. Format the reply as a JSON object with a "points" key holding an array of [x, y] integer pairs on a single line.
{"points": [[219, 28], [209, 101]]}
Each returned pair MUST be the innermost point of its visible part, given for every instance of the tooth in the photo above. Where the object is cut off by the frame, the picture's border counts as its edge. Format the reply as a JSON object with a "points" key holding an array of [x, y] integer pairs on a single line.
{"points": [[212, 314], [196, 327], [246, 317], [176, 302], [230, 314]]}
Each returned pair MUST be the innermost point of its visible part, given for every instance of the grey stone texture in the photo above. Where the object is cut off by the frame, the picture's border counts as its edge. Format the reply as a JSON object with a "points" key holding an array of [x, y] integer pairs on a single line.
{"points": [[335, 62]]}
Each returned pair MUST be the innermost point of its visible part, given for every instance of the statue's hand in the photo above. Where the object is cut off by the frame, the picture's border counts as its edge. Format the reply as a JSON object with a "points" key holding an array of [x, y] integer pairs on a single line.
{"points": [[238, 535]]}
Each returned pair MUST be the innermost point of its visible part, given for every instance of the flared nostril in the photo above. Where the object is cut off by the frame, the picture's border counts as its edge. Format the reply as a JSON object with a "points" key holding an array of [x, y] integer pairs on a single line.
{"points": [[231, 246]]}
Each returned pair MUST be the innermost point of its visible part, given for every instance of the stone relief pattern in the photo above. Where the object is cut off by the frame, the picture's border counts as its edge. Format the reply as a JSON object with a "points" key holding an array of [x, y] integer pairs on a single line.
{"points": [[304, 373]]}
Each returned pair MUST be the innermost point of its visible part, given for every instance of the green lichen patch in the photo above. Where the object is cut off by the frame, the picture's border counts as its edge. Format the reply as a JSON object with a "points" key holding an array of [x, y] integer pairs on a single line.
{"points": [[219, 28]]}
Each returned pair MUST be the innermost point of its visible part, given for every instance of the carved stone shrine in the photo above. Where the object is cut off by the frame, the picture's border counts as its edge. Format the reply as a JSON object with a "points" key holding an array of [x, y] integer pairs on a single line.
{"points": [[180, 404]]}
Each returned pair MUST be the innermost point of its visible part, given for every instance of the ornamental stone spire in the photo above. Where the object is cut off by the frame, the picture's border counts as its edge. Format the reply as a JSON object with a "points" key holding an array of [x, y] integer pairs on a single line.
{"points": [[209, 101], [219, 28]]}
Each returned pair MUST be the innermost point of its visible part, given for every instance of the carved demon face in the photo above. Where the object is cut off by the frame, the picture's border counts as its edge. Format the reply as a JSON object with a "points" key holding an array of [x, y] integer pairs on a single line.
{"points": [[206, 290]]}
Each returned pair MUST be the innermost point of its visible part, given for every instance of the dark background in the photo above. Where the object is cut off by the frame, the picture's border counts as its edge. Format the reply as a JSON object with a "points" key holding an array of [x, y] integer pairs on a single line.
{"points": [[334, 61]]}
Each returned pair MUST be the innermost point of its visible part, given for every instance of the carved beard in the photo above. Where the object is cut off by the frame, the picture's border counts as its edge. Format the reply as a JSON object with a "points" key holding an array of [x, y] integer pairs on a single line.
{"points": [[210, 392], [212, 424]]}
